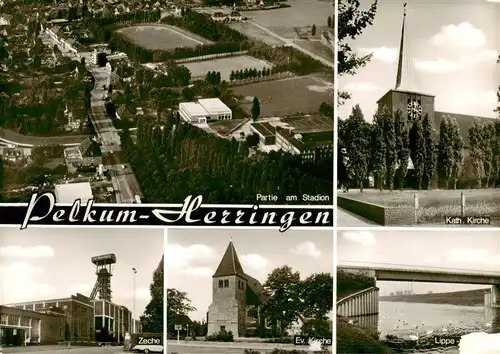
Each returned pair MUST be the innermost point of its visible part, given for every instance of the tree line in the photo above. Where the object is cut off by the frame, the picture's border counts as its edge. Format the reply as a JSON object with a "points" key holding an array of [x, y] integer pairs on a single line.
{"points": [[384, 148], [175, 160], [250, 73]]}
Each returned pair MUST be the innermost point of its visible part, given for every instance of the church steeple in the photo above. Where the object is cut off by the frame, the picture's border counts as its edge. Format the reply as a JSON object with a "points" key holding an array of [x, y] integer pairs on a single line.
{"points": [[229, 264], [401, 50]]}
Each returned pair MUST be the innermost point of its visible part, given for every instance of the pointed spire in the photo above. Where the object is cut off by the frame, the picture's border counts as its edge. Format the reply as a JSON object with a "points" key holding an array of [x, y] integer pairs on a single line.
{"points": [[401, 49], [229, 264]]}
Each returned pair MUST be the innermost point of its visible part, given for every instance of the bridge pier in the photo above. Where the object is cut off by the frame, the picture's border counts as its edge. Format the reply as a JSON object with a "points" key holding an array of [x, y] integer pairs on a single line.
{"points": [[492, 297]]}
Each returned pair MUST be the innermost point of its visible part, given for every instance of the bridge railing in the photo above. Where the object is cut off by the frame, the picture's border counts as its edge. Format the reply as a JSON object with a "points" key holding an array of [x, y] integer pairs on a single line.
{"points": [[362, 303]]}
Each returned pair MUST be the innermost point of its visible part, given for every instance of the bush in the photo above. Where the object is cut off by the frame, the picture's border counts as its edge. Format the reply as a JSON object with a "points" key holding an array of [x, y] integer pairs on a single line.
{"points": [[220, 337], [352, 340]]}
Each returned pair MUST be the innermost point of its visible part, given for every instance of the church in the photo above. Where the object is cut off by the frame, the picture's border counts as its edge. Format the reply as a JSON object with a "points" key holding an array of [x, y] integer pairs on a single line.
{"points": [[415, 105], [236, 298]]}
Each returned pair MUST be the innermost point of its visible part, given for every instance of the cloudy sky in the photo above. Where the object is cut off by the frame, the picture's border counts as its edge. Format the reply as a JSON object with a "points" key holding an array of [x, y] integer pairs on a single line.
{"points": [[193, 255], [451, 49], [39, 264], [454, 249]]}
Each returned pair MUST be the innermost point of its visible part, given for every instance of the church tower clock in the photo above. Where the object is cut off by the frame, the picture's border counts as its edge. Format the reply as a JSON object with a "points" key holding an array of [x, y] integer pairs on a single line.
{"points": [[412, 105]]}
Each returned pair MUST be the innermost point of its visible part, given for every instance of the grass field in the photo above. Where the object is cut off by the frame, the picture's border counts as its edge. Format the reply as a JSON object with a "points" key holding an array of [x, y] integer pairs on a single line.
{"points": [[302, 13], [162, 37], [226, 65], [434, 205], [287, 96], [317, 48]]}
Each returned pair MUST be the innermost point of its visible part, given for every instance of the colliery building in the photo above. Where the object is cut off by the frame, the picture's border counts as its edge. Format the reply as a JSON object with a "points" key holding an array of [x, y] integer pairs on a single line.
{"points": [[78, 318]]}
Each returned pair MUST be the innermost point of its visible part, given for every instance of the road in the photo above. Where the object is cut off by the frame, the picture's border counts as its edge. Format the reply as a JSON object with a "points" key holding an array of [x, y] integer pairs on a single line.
{"points": [[291, 43], [122, 176], [347, 219], [60, 349], [190, 347]]}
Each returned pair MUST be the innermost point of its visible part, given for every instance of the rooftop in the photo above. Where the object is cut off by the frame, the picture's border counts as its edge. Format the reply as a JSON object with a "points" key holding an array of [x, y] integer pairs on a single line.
{"points": [[310, 124], [69, 192], [194, 109], [229, 264], [214, 105], [264, 128]]}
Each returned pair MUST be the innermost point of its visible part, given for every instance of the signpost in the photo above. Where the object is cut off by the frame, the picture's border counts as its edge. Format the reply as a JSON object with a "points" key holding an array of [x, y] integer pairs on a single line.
{"points": [[178, 328]]}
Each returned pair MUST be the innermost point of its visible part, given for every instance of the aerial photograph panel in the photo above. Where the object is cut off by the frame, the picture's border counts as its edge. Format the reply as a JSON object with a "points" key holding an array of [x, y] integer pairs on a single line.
{"points": [[418, 117], [153, 101]]}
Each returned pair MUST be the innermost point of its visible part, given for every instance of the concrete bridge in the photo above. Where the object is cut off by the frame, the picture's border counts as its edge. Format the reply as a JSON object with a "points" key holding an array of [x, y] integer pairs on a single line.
{"points": [[365, 302]]}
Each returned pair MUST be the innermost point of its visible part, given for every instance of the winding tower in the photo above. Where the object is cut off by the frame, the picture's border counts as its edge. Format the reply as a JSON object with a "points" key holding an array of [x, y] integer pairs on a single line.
{"points": [[104, 267]]}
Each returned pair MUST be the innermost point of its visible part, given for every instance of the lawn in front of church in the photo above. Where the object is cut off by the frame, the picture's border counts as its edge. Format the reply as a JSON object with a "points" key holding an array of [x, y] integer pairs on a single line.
{"points": [[434, 205]]}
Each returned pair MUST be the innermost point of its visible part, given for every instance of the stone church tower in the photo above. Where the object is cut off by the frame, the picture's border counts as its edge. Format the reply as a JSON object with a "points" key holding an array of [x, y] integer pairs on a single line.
{"points": [[229, 286]]}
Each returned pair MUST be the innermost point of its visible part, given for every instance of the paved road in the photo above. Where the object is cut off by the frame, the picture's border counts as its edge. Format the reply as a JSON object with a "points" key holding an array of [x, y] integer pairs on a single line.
{"points": [[59, 349], [224, 348], [347, 219], [122, 176], [291, 43]]}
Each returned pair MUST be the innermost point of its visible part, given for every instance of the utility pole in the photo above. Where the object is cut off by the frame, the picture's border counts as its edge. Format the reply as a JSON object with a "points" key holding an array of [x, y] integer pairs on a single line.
{"points": [[133, 306]]}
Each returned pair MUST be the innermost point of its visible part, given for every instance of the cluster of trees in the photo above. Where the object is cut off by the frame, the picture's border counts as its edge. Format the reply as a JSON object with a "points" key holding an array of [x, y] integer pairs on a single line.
{"points": [[175, 161], [250, 73], [203, 25], [213, 78], [350, 283], [288, 59], [152, 319], [385, 146], [290, 299]]}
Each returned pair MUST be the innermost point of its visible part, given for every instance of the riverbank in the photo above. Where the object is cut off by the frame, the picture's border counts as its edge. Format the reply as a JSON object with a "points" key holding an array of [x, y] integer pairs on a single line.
{"points": [[459, 298], [352, 340]]}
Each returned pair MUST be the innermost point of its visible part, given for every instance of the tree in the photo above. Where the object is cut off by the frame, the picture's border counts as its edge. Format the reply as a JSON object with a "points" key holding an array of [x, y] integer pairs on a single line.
{"points": [[152, 319], [418, 153], [329, 21], [255, 108], [445, 151], [313, 30], [178, 306], [430, 152], [355, 136], [390, 146], [402, 146], [457, 145], [351, 23], [379, 149]]}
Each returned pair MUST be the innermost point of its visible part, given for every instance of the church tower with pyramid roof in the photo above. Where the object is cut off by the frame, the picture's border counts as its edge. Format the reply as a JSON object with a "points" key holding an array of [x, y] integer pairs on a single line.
{"points": [[228, 309], [233, 293]]}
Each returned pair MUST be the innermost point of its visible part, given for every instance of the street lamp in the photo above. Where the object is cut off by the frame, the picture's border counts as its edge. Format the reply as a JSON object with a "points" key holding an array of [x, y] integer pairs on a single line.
{"points": [[133, 306]]}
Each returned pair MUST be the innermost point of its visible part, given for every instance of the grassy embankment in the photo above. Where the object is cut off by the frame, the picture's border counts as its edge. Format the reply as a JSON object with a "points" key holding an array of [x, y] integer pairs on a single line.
{"points": [[350, 339], [459, 298]]}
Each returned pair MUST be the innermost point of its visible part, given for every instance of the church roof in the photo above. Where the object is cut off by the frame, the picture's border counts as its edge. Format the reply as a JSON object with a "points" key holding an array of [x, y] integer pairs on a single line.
{"points": [[229, 264]]}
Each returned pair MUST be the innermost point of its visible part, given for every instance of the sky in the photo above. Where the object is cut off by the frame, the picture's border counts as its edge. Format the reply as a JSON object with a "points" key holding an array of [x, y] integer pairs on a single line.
{"points": [[454, 249], [193, 256], [48, 263], [450, 52]]}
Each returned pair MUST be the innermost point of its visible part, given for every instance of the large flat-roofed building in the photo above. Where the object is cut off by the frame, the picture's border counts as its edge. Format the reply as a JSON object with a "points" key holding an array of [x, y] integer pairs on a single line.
{"points": [[19, 327], [83, 319], [204, 110], [77, 312], [69, 192]]}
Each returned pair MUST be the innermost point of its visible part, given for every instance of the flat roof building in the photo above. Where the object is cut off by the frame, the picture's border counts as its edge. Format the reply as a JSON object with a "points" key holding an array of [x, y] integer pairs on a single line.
{"points": [[69, 192], [265, 131], [203, 110]]}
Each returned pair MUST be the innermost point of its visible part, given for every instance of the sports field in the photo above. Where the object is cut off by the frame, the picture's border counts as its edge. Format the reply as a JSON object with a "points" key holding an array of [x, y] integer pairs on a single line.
{"points": [[286, 97], [226, 65], [162, 37]]}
